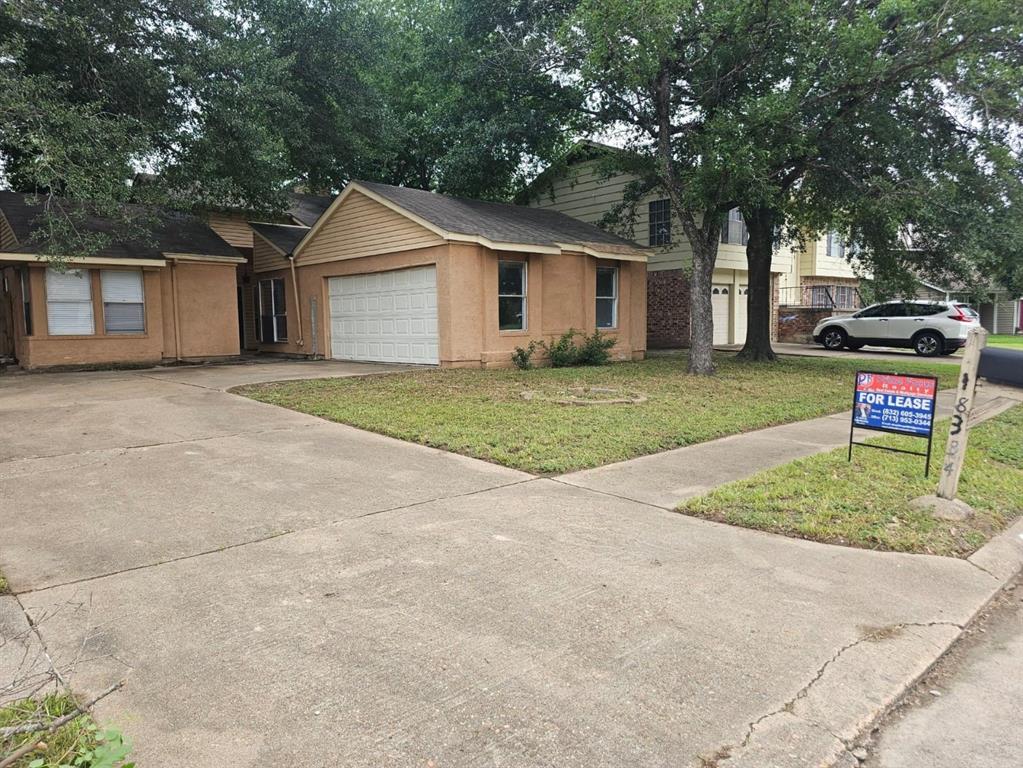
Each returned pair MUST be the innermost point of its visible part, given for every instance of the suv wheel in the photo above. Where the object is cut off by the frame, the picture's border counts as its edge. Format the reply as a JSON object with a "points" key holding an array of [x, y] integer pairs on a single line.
{"points": [[834, 338], [928, 344]]}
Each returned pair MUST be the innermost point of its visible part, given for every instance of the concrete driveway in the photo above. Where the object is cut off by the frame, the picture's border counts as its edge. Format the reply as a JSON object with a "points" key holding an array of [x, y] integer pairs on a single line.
{"points": [[279, 590]]}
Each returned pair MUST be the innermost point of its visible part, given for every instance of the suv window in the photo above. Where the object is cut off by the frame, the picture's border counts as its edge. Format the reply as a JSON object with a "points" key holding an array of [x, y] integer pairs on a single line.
{"points": [[967, 310], [925, 310], [881, 310]]}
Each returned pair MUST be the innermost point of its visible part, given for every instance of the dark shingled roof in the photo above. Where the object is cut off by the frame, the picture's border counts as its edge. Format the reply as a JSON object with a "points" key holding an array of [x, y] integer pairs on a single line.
{"points": [[501, 222], [306, 209], [284, 236], [172, 232]]}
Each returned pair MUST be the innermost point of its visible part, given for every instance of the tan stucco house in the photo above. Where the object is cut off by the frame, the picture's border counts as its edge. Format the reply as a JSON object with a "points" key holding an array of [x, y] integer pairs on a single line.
{"points": [[171, 297], [394, 274]]}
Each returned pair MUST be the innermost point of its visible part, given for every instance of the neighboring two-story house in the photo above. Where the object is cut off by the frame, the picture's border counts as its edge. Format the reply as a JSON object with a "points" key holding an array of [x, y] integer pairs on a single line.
{"points": [[814, 274]]}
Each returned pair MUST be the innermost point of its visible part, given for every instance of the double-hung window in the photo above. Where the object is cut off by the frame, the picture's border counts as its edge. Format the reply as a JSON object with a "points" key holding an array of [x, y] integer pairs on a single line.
{"points": [[607, 297], [836, 248], [660, 222], [124, 304], [69, 302], [511, 295], [733, 229], [273, 316]]}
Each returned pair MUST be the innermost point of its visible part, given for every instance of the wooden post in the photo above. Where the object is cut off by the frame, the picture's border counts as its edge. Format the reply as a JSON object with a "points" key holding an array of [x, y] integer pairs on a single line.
{"points": [[962, 408]]}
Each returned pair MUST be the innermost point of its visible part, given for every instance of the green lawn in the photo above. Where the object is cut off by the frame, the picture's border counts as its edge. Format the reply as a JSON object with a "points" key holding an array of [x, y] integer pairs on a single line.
{"points": [[79, 742], [483, 414], [1005, 340], [866, 503]]}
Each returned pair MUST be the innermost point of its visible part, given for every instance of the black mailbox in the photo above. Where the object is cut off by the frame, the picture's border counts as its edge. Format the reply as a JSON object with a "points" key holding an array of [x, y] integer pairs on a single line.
{"points": [[1003, 366]]}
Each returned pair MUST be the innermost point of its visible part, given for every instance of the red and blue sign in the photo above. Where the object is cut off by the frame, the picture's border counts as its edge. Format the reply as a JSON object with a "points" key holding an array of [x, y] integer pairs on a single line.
{"points": [[895, 403]]}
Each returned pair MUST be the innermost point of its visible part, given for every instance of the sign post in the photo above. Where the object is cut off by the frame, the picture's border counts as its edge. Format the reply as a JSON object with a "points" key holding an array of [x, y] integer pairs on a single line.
{"points": [[901, 405], [959, 428]]}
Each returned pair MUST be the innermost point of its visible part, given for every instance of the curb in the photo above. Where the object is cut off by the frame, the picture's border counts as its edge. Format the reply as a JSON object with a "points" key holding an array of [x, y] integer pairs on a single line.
{"points": [[864, 680]]}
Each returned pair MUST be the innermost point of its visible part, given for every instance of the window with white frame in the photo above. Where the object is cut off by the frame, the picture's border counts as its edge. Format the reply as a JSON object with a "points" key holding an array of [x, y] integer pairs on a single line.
{"points": [[124, 303], [660, 222], [733, 229], [511, 295], [273, 316], [607, 297], [69, 302], [835, 248]]}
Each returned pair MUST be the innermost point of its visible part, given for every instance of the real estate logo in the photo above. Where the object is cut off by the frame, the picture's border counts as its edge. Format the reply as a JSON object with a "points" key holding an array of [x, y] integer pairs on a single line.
{"points": [[894, 403]]}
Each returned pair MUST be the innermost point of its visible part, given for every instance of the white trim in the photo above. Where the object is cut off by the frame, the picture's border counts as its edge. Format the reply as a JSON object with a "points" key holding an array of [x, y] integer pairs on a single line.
{"points": [[524, 296], [203, 258], [86, 260]]}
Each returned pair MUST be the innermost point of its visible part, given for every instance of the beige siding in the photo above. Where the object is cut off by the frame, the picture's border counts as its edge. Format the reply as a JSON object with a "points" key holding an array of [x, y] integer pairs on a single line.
{"points": [[265, 257], [8, 242], [584, 193], [1006, 316], [362, 227], [815, 262], [233, 228]]}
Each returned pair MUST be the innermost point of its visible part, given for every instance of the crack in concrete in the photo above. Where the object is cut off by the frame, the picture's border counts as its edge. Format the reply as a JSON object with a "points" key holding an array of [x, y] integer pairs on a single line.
{"points": [[803, 692], [270, 537], [607, 493], [982, 568], [144, 566], [120, 450]]}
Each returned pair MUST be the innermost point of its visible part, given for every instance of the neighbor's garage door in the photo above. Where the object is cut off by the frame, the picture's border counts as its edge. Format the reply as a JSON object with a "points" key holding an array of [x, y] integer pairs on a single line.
{"points": [[741, 312], [388, 317], [719, 296]]}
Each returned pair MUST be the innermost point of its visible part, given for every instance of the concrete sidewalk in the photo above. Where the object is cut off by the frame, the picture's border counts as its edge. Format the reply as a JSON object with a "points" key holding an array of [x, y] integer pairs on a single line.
{"points": [[280, 590], [666, 479]]}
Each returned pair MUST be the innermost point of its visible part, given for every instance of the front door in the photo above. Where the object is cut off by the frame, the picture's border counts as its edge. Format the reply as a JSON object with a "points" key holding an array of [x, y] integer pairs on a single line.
{"points": [[6, 315]]}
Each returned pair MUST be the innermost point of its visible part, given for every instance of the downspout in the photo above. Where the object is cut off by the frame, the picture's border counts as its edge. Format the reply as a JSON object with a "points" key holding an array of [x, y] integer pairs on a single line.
{"points": [[298, 303], [174, 302]]}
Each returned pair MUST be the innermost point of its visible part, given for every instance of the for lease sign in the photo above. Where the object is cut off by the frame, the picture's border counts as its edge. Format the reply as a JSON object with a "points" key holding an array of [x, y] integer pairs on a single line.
{"points": [[893, 403]]}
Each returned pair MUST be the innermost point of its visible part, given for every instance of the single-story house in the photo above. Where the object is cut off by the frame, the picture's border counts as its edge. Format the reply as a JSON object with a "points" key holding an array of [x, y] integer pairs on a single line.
{"points": [[171, 296], [394, 274]]}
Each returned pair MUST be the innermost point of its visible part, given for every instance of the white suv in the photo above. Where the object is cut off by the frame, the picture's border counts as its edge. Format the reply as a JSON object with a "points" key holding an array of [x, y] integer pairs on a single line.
{"points": [[929, 327]]}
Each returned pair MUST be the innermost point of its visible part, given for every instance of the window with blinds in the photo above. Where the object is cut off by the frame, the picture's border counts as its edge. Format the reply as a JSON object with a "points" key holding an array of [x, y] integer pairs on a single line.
{"points": [[69, 302], [124, 304]]}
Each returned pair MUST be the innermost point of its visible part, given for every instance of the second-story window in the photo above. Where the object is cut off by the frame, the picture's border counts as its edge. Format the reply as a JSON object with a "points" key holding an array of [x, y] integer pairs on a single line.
{"points": [[733, 229], [836, 248], [660, 222]]}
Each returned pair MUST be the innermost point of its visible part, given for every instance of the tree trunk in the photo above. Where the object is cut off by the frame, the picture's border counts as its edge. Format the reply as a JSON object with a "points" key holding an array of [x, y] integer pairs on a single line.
{"points": [[760, 222], [701, 311]]}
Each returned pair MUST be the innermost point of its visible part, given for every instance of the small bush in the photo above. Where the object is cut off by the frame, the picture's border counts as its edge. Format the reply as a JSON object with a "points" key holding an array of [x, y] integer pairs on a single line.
{"points": [[523, 356], [595, 349], [563, 352]]}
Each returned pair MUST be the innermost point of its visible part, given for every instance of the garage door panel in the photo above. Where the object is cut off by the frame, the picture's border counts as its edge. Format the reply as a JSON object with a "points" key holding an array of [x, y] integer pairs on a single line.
{"points": [[386, 316], [719, 298]]}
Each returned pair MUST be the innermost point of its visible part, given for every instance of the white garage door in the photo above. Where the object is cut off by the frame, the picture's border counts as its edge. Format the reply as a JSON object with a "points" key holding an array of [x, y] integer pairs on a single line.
{"points": [[740, 320], [387, 317], [719, 296]]}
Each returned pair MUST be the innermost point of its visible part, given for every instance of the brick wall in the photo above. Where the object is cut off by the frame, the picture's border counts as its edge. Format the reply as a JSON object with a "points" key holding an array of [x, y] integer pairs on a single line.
{"points": [[667, 302], [796, 324]]}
